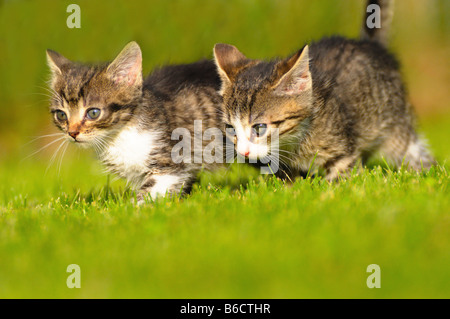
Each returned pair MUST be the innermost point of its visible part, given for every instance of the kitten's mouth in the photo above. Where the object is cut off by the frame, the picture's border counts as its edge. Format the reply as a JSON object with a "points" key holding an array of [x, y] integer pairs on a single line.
{"points": [[254, 153], [82, 144], [74, 139], [78, 141], [252, 156]]}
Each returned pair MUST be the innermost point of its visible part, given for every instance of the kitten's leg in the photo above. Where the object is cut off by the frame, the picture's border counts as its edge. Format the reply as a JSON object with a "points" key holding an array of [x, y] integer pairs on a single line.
{"points": [[418, 156], [283, 172], [160, 185], [287, 173], [339, 166], [405, 147]]}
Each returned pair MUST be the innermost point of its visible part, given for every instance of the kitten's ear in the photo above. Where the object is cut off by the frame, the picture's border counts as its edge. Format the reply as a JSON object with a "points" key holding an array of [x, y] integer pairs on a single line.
{"points": [[127, 66], [229, 61], [295, 75], [56, 61]]}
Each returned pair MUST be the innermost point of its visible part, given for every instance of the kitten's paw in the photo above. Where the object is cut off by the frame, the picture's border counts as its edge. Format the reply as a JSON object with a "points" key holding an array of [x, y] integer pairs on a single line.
{"points": [[341, 168], [140, 199]]}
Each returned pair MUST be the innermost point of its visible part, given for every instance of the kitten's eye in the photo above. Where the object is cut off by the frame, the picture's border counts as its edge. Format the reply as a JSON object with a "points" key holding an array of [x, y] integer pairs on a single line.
{"points": [[61, 116], [229, 129], [93, 113], [259, 129]]}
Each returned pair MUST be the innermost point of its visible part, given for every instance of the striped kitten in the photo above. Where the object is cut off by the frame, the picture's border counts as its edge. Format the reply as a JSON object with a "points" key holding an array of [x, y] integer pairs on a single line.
{"points": [[129, 120], [334, 102]]}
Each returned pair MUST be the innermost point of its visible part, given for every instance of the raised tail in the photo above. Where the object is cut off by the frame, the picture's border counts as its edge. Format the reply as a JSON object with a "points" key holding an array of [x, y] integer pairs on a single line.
{"points": [[377, 20]]}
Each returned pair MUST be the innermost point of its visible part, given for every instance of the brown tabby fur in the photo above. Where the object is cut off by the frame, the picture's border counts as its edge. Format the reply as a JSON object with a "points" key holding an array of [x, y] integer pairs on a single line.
{"points": [[335, 102], [133, 133]]}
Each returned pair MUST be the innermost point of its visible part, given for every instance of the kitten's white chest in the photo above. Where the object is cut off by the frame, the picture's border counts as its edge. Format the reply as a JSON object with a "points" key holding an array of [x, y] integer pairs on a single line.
{"points": [[129, 153]]}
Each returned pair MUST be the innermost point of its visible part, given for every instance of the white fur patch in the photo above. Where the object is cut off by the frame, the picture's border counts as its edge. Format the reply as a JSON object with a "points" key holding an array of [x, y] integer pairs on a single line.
{"points": [[255, 150], [163, 184], [129, 153], [243, 144], [414, 150]]}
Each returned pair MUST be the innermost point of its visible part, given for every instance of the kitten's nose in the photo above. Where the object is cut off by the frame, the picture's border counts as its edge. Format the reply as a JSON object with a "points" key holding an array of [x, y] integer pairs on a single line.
{"points": [[244, 153], [243, 148], [74, 134]]}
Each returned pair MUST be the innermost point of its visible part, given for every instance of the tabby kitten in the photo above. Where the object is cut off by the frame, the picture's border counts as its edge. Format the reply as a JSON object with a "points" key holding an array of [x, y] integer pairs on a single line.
{"points": [[335, 102], [130, 120]]}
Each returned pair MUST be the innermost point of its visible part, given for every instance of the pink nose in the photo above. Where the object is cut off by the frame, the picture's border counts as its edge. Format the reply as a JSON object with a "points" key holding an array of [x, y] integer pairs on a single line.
{"points": [[74, 134], [246, 153]]}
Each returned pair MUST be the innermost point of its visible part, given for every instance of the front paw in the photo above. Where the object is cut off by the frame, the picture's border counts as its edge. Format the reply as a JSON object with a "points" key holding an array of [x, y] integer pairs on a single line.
{"points": [[141, 199]]}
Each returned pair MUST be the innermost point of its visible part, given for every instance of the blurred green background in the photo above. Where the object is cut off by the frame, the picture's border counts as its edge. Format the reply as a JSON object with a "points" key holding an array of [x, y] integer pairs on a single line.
{"points": [[183, 31], [266, 240]]}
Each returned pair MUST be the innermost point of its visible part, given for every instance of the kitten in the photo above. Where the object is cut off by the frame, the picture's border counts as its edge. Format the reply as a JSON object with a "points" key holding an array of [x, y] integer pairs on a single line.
{"points": [[130, 120], [334, 102]]}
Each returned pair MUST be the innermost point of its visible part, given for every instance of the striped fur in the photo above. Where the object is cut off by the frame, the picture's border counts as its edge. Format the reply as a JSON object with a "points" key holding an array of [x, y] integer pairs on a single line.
{"points": [[133, 132]]}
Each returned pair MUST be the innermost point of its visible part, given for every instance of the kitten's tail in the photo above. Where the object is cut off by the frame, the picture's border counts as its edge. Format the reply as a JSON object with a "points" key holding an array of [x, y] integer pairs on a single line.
{"points": [[377, 20]]}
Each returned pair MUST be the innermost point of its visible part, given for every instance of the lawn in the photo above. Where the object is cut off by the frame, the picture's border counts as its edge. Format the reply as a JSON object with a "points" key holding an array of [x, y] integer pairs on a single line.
{"points": [[238, 235]]}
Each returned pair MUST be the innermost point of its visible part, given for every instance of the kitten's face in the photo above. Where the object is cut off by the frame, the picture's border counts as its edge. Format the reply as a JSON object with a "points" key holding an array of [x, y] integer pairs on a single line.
{"points": [[263, 100], [91, 103]]}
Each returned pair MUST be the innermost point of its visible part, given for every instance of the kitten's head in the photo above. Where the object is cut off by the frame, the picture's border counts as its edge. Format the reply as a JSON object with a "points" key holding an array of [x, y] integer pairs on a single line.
{"points": [[262, 97], [91, 102]]}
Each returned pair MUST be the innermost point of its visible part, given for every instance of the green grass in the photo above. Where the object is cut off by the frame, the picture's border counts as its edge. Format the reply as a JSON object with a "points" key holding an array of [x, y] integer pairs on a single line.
{"points": [[236, 236]]}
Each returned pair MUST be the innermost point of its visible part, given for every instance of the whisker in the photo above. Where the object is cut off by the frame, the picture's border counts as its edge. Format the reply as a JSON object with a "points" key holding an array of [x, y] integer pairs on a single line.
{"points": [[44, 147], [54, 156], [101, 143], [43, 136], [62, 156]]}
